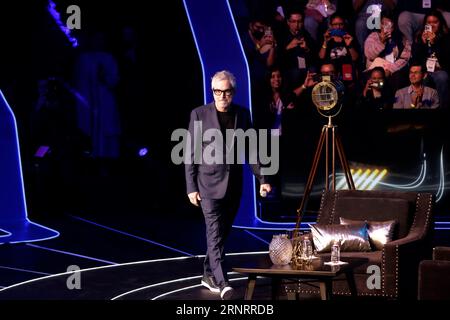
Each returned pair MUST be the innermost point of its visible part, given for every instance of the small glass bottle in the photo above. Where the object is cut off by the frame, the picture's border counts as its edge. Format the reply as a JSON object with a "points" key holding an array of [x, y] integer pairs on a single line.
{"points": [[335, 252], [307, 249]]}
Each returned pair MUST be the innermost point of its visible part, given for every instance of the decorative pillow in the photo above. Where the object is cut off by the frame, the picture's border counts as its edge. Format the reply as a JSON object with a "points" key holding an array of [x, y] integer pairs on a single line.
{"points": [[380, 232], [352, 237]]}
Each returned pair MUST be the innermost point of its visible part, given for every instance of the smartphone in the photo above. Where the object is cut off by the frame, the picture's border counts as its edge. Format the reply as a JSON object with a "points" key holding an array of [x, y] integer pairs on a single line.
{"points": [[317, 78], [428, 28], [347, 72], [387, 27]]}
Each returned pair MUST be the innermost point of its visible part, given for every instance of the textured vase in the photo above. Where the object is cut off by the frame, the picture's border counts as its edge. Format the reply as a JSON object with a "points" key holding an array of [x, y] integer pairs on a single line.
{"points": [[280, 249]]}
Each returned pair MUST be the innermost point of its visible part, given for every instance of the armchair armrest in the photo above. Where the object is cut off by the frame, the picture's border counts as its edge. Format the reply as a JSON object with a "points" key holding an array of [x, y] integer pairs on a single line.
{"points": [[402, 256], [433, 282], [441, 253]]}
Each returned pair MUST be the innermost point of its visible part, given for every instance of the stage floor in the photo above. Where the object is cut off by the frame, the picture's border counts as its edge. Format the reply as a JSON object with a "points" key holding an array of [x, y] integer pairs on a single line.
{"points": [[127, 257]]}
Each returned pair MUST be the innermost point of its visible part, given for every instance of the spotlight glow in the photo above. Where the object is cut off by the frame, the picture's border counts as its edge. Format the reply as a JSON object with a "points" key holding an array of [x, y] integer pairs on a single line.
{"points": [[143, 152]]}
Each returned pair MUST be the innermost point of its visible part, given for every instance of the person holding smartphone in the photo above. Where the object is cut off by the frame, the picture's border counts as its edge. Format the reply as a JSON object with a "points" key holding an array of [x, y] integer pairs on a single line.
{"points": [[297, 49], [432, 49], [339, 47], [389, 49]]}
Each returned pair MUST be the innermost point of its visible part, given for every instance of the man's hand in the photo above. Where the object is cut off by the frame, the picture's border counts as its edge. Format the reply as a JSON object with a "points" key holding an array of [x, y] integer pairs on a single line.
{"points": [[302, 44], [264, 189], [367, 87], [326, 37], [309, 80], [194, 198]]}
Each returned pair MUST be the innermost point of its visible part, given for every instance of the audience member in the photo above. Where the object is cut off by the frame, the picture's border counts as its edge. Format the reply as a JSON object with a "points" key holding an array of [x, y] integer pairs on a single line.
{"points": [[364, 10], [417, 95], [389, 49], [411, 15], [339, 47], [376, 96], [432, 48], [298, 51], [317, 13]]}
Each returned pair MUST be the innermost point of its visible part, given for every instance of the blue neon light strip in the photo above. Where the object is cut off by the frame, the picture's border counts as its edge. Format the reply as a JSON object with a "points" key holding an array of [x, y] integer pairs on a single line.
{"points": [[14, 217], [25, 270], [5, 235], [209, 21], [257, 237], [132, 235], [71, 254], [205, 100]]}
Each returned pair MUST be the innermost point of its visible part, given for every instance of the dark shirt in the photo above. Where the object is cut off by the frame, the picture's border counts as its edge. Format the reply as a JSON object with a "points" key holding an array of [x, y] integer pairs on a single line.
{"points": [[370, 103], [441, 48], [226, 120], [290, 57], [339, 53]]}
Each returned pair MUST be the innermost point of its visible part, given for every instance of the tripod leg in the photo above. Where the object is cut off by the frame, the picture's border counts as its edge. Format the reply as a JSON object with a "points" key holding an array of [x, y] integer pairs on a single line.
{"points": [[333, 161], [327, 147], [344, 163], [312, 174]]}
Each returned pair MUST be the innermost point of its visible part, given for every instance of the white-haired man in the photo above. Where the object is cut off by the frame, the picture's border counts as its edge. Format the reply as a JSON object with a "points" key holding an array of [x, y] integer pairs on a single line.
{"points": [[216, 187]]}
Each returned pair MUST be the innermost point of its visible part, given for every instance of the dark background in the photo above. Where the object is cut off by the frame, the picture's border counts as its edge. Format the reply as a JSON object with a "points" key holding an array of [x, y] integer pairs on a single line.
{"points": [[169, 85]]}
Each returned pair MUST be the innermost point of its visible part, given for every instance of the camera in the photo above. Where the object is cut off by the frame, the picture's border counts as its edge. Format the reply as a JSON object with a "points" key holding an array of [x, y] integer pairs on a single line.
{"points": [[337, 32], [323, 77], [317, 77], [377, 84]]}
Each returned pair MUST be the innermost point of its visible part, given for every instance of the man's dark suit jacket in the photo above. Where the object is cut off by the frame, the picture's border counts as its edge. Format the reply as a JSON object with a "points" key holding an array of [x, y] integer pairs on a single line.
{"points": [[211, 180]]}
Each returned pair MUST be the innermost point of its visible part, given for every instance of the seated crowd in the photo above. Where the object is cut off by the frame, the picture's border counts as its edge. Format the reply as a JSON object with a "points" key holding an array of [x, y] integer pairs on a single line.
{"points": [[397, 61]]}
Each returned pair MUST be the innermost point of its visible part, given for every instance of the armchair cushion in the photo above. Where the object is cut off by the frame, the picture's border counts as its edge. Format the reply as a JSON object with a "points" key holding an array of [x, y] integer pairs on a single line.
{"points": [[352, 237], [378, 209], [380, 232]]}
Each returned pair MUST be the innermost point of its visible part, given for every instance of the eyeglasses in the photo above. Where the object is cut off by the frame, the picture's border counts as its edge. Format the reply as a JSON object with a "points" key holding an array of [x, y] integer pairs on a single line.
{"points": [[295, 21], [218, 92]]}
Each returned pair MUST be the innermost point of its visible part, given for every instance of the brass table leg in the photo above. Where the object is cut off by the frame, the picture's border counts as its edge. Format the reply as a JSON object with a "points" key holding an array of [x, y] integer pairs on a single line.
{"points": [[326, 290], [250, 287]]}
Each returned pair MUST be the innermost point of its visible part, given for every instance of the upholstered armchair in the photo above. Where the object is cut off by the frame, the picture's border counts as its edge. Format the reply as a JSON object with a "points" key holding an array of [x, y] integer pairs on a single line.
{"points": [[398, 261], [434, 276]]}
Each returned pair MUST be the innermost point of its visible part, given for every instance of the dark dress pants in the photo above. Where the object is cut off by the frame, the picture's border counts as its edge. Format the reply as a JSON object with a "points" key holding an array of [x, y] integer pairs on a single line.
{"points": [[219, 216]]}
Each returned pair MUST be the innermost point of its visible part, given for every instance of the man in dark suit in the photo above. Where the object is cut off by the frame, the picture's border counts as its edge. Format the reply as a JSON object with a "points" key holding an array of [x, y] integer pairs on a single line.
{"points": [[214, 178]]}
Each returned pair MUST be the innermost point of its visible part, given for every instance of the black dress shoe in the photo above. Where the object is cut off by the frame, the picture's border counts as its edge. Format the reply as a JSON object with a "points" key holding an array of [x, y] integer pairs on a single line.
{"points": [[210, 283]]}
